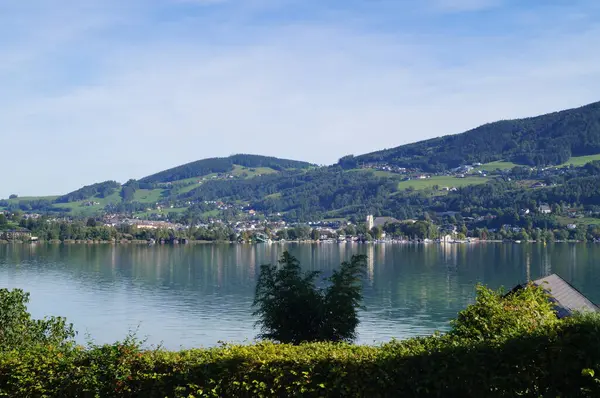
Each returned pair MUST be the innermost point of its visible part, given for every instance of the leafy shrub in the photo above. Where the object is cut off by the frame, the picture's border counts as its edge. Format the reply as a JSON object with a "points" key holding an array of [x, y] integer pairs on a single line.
{"points": [[19, 330], [498, 316], [293, 310], [560, 358], [554, 361]]}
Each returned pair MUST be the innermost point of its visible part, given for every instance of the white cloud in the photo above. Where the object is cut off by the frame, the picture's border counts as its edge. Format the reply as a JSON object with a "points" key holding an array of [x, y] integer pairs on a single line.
{"points": [[310, 92]]}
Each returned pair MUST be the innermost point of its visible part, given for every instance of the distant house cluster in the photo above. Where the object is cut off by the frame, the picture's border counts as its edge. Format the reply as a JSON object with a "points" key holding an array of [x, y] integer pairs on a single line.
{"points": [[386, 167], [16, 234]]}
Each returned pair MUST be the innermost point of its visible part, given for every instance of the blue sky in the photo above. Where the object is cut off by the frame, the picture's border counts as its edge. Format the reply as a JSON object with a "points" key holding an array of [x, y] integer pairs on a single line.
{"points": [[93, 90]]}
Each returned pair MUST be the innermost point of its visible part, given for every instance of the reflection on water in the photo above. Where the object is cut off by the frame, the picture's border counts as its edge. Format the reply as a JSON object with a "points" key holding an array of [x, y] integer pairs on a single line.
{"points": [[197, 295]]}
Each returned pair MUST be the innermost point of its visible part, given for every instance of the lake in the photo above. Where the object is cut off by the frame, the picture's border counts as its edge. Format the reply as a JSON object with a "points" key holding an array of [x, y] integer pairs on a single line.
{"points": [[197, 295]]}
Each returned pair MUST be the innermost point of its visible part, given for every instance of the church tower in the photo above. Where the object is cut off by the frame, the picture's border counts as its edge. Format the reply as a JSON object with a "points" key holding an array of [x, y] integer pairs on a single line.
{"points": [[370, 222]]}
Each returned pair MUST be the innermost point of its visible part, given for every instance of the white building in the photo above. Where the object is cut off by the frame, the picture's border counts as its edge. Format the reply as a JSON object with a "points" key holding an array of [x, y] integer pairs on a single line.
{"points": [[370, 222], [545, 209]]}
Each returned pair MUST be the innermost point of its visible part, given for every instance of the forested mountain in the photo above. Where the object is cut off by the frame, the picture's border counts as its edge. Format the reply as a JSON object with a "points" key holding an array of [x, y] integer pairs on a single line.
{"points": [[303, 195], [543, 140], [223, 165], [227, 188]]}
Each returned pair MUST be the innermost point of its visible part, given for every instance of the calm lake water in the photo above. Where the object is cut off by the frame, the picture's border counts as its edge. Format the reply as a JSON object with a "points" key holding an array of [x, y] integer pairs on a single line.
{"points": [[198, 295]]}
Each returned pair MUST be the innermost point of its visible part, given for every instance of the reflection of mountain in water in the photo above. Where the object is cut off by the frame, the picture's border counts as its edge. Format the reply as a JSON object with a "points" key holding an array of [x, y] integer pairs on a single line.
{"points": [[199, 294]]}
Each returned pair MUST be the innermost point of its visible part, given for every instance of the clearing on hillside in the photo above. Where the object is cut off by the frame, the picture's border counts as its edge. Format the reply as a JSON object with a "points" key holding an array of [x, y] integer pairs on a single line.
{"points": [[499, 165], [442, 181], [580, 160]]}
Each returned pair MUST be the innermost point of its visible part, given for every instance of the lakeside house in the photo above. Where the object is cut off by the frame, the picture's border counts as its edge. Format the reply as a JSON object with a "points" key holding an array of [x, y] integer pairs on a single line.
{"points": [[14, 234], [447, 239], [564, 296]]}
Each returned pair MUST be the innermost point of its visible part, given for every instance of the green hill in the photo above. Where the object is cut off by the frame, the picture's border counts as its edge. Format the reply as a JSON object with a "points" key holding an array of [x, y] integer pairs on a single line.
{"points": [[159, 189], [300, 191], [223, 165], [550, 139]]}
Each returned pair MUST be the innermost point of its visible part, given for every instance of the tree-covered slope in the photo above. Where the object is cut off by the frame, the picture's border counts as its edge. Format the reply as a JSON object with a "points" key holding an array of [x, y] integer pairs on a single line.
{"points": [[549, 139], [302, 195], [223, 165], [101, 189]]}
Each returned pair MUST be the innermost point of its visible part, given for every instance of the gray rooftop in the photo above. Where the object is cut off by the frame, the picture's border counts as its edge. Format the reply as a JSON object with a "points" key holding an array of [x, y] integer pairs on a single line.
{"points": [[381, 221], [566, 298]]}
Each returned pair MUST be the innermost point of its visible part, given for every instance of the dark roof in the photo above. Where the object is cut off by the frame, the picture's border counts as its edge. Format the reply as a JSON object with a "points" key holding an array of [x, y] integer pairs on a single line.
{"points": [[381, 221], [566, 298]]}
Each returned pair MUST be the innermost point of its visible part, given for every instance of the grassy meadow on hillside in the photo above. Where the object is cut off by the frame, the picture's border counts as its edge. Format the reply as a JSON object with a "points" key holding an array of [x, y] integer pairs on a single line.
{"points": [[441, 181], [581, 160]]}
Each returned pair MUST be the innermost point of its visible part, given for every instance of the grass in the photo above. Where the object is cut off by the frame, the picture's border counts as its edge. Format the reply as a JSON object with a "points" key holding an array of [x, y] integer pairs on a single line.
{"points": [[275, 195], [237, 171], [585, 221], [376, 173], [580, 160], [499, 165], [575, 161], [77, 208], [147, 195], [188, 188], [251, 172], [9, 225], [188, 180], [383, 173], [211, 213], [30, 198], [442, 181]]}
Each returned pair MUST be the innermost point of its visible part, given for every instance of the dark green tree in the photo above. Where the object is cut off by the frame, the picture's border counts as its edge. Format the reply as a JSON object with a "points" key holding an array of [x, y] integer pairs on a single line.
{"points": [[282, 234], [377, 232], [343, 299], [288, 303], [127, 193], [314, 234], [291, 309]]}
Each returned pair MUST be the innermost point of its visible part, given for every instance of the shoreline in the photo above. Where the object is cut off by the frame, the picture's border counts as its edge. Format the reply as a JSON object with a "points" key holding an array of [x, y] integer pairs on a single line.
{"points": [[312, 242]]}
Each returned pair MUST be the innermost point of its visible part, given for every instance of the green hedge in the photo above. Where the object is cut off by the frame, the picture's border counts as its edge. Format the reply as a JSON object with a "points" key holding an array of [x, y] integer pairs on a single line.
{"points": [[553, 361], [501, 346]]}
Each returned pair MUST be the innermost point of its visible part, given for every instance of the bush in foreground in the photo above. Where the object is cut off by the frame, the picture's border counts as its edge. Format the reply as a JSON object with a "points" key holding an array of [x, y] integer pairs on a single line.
{"points": [[291, 309], [535, 357], [18, 330]]}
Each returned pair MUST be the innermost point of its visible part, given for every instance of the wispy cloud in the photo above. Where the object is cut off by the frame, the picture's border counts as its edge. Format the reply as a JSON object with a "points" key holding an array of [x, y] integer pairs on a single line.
{"points": [[129, 91]]}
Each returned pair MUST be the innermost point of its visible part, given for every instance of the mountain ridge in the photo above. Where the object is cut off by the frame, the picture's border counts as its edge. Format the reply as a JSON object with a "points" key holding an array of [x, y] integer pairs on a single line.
{"points": [[388, 182], [547, 139], [206, 166]]}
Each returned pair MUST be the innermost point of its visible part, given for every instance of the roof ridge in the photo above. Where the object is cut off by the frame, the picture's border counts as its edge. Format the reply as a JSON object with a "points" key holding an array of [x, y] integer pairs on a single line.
{"points": [[571, 286]]}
